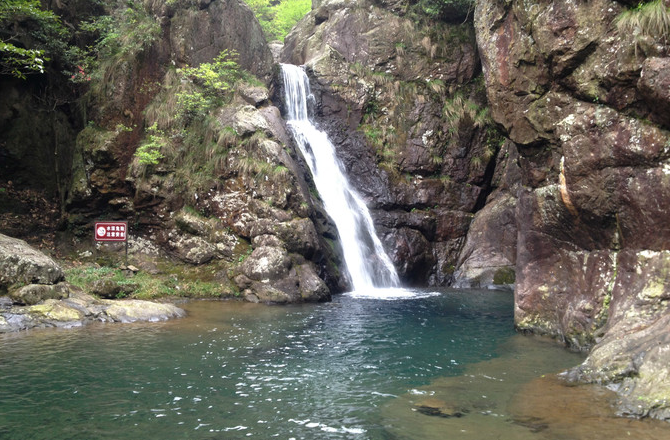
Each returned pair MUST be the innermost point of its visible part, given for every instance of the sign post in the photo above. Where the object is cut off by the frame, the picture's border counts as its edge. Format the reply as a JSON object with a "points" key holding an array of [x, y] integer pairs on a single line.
{"points": [[112, 231]]}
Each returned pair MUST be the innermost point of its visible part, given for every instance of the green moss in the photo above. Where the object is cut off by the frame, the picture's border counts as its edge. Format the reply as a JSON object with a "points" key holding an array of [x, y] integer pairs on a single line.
{"points": [[504, 275]]}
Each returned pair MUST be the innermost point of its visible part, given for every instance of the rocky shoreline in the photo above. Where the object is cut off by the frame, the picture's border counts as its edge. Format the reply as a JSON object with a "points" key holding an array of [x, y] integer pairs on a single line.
{"points": [[33, 294]]}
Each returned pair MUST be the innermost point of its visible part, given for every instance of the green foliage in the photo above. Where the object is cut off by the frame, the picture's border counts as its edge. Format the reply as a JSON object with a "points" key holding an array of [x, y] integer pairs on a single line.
{"points": [[126, 32], [277, 18], [120, 37], [29, 36], [149, 153], [647, 19], [178, 282], [214, 81], [19, 62]]}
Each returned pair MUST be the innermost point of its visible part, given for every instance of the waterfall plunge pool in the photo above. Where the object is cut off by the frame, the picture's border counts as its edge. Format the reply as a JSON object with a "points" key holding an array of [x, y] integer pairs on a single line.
{"points": [[446, 365]]}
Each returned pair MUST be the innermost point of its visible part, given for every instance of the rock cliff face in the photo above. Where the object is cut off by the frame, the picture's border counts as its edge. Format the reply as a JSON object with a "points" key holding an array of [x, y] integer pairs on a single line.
{"points": [[227, 187], [582, 100], [573, 207], [403, 100]]}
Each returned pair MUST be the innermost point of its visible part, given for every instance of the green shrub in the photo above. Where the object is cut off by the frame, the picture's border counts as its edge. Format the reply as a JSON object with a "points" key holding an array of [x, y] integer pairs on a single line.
{"points": [[447, 10], [30, 37], [129, 30], [149, 153], [213, 80]]}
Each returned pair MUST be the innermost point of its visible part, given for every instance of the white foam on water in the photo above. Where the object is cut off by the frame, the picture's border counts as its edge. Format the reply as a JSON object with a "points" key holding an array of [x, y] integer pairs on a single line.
{"points": [[390, 294]]}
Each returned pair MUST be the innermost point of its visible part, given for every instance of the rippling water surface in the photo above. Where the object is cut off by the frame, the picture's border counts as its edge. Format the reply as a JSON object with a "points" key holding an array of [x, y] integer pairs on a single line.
{"points": [[355, 368]]}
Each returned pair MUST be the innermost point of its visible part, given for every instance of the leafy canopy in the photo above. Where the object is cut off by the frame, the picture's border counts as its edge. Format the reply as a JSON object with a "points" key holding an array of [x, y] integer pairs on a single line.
{"points": [[277, 18]]}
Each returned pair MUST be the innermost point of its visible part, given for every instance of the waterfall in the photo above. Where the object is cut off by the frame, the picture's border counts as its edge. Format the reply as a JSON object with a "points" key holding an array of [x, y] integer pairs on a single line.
{"points": [[368, 265]]}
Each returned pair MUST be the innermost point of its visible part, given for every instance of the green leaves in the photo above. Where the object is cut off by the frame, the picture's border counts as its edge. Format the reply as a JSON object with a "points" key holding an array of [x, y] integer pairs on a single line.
{"points": [[448, 10], [218, 76], [27, 35], [19, 62], [278, 18], [213, 79], [149, 152]]}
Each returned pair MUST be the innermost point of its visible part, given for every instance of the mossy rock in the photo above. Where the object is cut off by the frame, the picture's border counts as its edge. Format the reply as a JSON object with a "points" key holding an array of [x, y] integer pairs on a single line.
{"points": [[504, 275]]}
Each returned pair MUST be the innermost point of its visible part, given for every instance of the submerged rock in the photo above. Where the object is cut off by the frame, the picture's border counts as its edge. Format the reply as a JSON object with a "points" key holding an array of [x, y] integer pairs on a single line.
{"points": [[440, 408]]}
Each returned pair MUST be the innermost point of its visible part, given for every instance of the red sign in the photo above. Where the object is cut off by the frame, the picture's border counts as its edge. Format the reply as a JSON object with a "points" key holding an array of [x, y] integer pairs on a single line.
{"points": [[111, 231]]}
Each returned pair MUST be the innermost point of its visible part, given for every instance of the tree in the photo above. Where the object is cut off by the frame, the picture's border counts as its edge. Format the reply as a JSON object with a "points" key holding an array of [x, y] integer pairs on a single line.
{"points": [[29, 36]]}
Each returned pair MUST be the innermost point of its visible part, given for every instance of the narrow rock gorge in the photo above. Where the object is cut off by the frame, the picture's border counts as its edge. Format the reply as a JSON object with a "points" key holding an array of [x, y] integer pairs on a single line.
{"points": [[510, 144]]}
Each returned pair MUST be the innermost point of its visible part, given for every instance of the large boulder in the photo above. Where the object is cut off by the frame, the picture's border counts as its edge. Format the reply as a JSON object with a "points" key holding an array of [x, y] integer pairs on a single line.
{"points": [[488, 258], [270, 274], [20, 263]]}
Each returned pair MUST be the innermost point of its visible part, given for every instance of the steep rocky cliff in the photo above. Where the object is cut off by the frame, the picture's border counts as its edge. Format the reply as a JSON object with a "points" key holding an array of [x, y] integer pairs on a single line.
{"points": [[181, 140], [403, 98], [583, 99]]}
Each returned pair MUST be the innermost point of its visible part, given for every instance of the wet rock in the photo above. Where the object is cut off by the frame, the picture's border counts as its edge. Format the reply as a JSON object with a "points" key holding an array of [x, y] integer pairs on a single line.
{"points": [[488, 257], [80, 308], [634, 352], [267, 293], [438, 408], [57, 313], [312, 287], [585, 109], [36, 293], [20, 263], [411, 254], [136, 310], [271, 275]]}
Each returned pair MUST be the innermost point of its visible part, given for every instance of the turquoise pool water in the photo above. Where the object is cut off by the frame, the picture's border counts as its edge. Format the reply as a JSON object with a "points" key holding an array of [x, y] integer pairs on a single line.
{"points": [[354, 368]]}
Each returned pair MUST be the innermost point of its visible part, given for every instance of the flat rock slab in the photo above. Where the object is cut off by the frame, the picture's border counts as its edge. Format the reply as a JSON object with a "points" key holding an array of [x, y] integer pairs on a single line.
{"points": [[81, 308]]}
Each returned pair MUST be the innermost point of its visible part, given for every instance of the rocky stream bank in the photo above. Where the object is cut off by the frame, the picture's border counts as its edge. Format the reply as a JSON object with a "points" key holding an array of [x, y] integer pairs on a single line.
{"points": [[35, 294]]}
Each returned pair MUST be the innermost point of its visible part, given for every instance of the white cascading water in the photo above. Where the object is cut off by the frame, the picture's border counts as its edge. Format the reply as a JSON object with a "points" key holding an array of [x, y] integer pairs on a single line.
{"points": [[368, 265]]}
